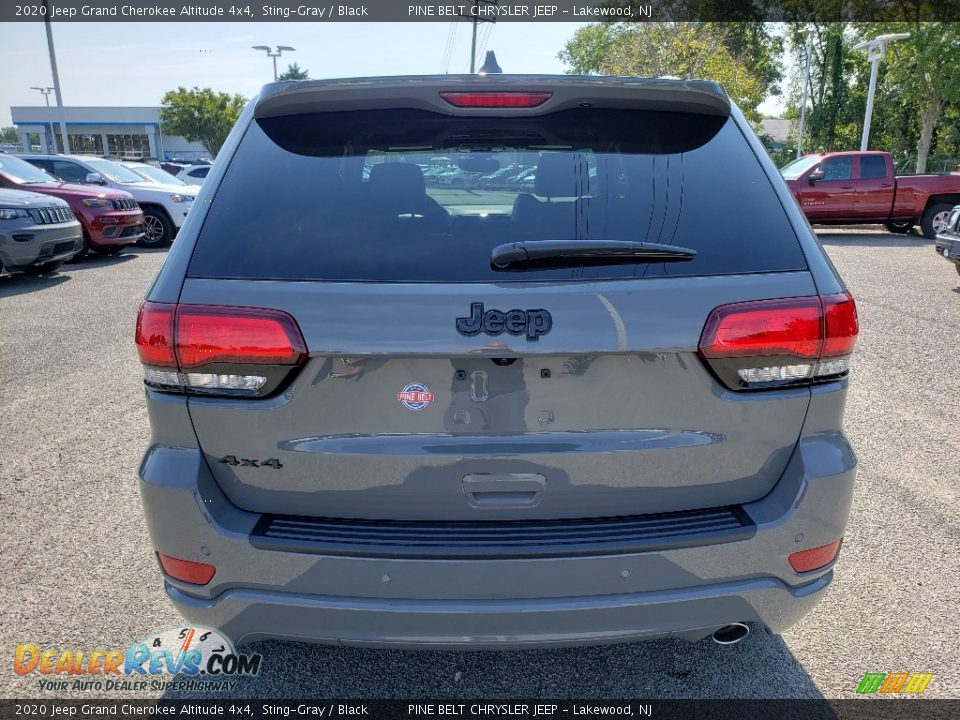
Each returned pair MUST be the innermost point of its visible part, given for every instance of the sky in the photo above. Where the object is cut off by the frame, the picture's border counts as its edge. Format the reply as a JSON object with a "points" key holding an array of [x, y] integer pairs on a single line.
{"points": [[136, 63]]}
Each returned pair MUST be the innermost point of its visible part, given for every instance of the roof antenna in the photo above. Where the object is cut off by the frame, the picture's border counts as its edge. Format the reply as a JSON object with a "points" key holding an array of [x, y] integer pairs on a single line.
{"points": [[490, 65]]}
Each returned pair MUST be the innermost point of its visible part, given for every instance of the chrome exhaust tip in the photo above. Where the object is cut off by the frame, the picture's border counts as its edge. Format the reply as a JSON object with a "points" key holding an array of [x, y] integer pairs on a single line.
{"points": [[731, 634]]}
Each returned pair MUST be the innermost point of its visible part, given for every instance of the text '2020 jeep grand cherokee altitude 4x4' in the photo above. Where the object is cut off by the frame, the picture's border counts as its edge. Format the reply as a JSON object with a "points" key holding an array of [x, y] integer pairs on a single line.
{"points": [[600, 410]]}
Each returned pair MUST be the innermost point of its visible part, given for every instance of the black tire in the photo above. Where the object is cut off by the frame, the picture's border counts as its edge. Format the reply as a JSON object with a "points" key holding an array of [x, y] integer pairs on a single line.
{"points": [[933, 216], [957, 266], [901, 228], [159, 229], [43, 269], [84, 249]]}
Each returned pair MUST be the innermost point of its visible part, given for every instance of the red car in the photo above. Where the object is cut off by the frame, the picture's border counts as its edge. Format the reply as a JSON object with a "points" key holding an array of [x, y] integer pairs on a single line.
{"points": [[853, 188], [111, 219]]}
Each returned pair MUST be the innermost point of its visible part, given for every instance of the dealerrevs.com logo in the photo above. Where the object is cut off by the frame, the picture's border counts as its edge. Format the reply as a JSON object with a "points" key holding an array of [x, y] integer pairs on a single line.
{"points": [[204, 659], [897, 683]]}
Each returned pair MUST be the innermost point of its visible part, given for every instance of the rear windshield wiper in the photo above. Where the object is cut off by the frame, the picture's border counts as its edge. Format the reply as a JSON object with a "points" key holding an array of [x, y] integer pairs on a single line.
{"points": [[574, 253]]}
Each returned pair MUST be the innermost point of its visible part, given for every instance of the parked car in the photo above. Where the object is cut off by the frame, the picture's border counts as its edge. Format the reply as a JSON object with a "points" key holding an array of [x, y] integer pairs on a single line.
{"points": [[164, 206], [844, 188], [38, 233], [948, 241], [498, 179], [153, 173], [515, 182], [194, 174], [593, 414], [177, 164], [111, 219]]}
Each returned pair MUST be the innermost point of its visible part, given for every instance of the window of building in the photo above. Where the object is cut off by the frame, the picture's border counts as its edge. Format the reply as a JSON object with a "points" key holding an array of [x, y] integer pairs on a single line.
{"points": [[85, 143], [128, 146]]}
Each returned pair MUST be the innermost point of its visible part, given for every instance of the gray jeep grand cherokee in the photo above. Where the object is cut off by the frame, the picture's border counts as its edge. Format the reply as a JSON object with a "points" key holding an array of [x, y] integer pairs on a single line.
{"points": [[601, 407], [38, 233]]}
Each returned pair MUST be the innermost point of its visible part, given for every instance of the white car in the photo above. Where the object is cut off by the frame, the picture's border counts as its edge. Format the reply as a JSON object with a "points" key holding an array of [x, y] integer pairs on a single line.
{"points": [[165, 207], [194, 174], [153, 173]]}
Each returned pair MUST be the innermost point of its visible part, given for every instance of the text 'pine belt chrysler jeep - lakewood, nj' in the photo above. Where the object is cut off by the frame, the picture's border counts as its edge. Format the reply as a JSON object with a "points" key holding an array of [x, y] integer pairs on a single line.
{"points": [[599, 407]]}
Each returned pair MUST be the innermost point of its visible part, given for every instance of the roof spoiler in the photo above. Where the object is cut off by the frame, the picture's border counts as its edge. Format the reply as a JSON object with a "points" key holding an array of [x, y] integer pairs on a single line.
{"points": [[699, 97]]}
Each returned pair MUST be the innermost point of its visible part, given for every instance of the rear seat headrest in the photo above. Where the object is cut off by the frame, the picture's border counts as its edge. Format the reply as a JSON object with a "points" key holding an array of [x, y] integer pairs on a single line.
{"points": [[562, 174], [398, 184]]}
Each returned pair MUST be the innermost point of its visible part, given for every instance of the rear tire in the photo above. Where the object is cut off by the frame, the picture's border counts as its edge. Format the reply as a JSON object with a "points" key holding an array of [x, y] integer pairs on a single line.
{"points": [[957, 266], [43, 269], [901, 228], [158, 229], [934, 219]]}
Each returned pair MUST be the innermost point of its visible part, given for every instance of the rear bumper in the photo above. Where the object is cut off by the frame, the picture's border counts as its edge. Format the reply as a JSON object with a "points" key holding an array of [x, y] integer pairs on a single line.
{"points": [[949, 248], [688, 613], [484, 603]]}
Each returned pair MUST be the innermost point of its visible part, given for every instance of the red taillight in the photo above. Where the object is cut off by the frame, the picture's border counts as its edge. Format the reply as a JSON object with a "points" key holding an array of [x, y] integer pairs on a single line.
{"points": [[243, 336], [815, 558], [771, 343], [841, 324], [768, 327], [496, 99], [186, 570], [155, 334], [217, 349]]}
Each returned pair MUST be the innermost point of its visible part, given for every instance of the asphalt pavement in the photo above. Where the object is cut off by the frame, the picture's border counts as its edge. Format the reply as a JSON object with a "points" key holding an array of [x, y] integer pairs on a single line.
{"points": [[77, 570]]}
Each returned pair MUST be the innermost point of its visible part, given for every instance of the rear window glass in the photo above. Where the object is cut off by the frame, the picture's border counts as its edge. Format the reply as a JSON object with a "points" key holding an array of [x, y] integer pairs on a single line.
{"points": [[872, 166], [415, 196]]}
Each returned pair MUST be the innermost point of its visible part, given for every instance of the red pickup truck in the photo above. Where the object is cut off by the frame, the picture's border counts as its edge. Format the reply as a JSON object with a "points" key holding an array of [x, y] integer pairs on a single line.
{"points": [[854, 188]]}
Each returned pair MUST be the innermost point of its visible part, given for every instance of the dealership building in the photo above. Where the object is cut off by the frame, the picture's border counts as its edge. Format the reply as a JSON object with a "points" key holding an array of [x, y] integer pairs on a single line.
{"points": [[116, 132]]}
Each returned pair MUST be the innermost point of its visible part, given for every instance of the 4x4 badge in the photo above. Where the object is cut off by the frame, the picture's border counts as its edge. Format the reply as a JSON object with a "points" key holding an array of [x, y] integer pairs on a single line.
{"points": [[516, 322]]}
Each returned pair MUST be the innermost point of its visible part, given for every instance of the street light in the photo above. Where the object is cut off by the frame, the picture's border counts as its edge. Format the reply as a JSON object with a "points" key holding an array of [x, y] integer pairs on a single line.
{"points": [[274, 54], [808, 33], [51, 141], [876, 49]]}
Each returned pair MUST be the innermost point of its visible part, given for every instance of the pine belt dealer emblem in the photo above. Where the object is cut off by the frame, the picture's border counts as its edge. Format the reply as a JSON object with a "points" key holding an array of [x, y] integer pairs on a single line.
{"points": [[415, 396]]}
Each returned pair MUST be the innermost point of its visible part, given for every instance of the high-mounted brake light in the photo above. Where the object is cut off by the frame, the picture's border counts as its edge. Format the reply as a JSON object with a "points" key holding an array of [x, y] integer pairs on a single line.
{"points": [[496, 99], [771, 343], [217, 349]]}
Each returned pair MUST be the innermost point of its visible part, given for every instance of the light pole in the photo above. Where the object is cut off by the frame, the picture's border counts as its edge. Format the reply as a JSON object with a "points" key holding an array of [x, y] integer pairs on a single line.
{"points": [[876, 49], [51, 141], [65, 139], [274, 54], [808, 33]]}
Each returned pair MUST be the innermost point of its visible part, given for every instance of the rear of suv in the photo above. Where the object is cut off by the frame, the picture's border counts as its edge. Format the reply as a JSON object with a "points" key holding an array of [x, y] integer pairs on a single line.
{"points": [[604, 407]]}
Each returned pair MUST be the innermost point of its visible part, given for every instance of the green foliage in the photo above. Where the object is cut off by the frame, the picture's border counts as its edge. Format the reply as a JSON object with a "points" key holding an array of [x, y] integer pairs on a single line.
{"points": [[915, 113], [742, 59], [293, 72], [201, 115], [9, 135]]}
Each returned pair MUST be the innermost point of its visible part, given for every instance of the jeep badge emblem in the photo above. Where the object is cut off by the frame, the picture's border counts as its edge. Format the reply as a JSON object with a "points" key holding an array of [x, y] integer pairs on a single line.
{"points": [[516, 322]]}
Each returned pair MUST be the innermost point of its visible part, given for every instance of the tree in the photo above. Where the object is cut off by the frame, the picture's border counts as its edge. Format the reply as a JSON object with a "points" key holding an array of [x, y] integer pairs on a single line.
{"points": [[838, 76], [686, 50], [201, 115], [293, 72], [923, 72], [9, 135], [915, 114]]}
